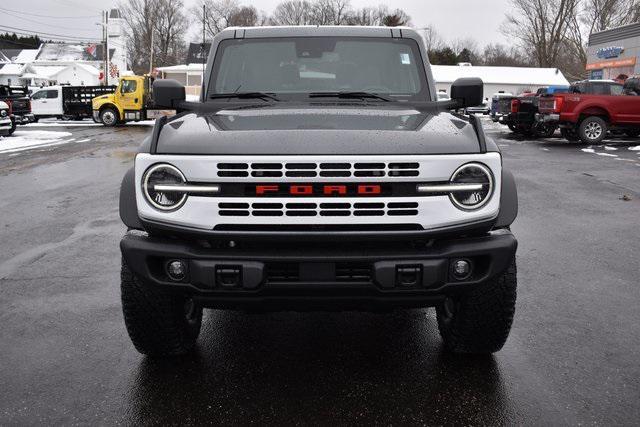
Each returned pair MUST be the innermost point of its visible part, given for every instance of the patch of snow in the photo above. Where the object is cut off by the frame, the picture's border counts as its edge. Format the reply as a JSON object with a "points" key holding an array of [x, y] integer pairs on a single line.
{"points": [[545, 149], [588, 150], [606, 147], [84, 140], [636, 148], [60, 124], [606, 155], [27, 140]]}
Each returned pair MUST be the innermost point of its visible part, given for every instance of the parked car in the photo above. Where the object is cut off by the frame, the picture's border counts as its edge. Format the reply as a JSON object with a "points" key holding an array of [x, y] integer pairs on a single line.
{"points": [[7, 125], [66, 102], [524, 110], [484, 108], [17, 97], [591, 109], [495, 103], [336, 195]]}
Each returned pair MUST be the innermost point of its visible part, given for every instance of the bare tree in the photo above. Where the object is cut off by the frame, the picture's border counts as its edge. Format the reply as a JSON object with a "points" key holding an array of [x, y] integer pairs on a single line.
{"points": [[219, 14], [432, 38], [600, 15], [292, 12], [170, 27], [542, 27], [367, 16], [504, 56], [245, 16], [154, 26], [396, 18]]}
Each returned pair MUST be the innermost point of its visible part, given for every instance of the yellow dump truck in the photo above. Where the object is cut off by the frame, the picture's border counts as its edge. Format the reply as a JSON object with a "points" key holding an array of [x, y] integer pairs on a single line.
{"points": [[132, 101]]}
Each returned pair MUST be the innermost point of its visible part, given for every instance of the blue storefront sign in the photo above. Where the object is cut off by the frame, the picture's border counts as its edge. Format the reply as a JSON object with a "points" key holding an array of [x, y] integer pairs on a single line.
{"points": [[597, 75], [609, 52]]}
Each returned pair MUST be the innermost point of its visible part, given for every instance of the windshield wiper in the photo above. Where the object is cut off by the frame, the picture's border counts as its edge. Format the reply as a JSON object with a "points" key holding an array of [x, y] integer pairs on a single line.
{"points": [[349, 95], [245, 95]]}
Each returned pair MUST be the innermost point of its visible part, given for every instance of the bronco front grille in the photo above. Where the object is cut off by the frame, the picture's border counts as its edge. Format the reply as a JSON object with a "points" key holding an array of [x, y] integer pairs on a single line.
{"points": [[336, 209], [293, 272], [313, 170]]}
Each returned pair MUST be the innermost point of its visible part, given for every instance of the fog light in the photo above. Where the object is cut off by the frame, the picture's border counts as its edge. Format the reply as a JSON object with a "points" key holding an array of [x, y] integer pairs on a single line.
{"points": [[461, 269], [176, 270]]}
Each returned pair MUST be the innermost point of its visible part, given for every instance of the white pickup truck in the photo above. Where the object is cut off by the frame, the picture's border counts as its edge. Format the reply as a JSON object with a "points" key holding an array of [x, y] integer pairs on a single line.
{"points": [[66, 102]]}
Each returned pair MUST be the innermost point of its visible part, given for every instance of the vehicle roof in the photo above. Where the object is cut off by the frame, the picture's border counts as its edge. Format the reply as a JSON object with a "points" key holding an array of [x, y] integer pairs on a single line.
{"points": [[594, 81], [320, 31]]}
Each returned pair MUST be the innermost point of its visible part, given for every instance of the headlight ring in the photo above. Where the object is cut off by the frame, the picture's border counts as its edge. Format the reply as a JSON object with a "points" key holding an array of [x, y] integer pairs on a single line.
{"points": [[472, 173], [164, 174]]}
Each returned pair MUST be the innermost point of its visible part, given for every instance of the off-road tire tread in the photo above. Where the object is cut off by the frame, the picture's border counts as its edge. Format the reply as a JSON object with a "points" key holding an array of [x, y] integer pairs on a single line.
{"points": [[484, 316], [154, 318]]}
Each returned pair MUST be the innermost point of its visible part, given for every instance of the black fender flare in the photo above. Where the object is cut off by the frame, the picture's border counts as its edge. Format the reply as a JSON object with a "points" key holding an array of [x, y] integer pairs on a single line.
{"points": [[128, 205], [508, 201]]}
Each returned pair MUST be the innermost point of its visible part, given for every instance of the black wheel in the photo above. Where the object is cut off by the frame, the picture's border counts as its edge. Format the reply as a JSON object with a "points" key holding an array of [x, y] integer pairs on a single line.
{"points": [[13, 128], [479, 321], [569, 134], [632, 133], [35, 119], [158, 323], [512, 127], [544, 130], [592, 130], [109, 117]]}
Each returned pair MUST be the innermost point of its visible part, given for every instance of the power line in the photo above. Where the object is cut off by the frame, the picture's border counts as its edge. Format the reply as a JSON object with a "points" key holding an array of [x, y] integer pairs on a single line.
{"points": [[50, 39], [48, 16], [5, 27], [72, 4], [43, 23]]}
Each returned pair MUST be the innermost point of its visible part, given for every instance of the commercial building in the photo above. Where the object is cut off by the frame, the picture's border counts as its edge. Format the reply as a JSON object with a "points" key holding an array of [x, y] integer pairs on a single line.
{"points": [[513, 80], [613, 52]]}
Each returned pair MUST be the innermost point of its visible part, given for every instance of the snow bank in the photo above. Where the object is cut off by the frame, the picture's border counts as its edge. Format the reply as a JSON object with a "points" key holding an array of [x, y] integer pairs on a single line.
{"points": [[27, 140]]}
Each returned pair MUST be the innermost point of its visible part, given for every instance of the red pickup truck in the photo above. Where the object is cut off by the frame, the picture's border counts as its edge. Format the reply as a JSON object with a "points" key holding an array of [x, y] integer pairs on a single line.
{"points": [[588, 117]]}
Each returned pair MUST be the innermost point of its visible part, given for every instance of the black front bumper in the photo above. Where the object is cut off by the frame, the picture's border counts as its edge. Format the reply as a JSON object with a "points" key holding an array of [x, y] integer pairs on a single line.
{"points": [[318, 276]]}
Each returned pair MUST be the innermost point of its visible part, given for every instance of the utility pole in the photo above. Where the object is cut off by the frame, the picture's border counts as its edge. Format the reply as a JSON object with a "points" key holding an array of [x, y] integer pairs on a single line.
{"points": [[106, 47], [151, 52]]}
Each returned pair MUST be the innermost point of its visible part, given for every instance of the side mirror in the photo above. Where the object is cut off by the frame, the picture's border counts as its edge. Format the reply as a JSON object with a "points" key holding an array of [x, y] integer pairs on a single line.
{"points": [[168, 93], [467, 92]]}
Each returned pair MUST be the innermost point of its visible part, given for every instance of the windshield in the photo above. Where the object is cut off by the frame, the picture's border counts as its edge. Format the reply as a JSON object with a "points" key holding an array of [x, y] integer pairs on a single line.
{"points": [[296, 67]]}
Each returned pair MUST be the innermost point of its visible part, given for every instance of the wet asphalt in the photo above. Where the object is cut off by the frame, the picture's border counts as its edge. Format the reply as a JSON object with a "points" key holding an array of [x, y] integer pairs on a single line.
{"points": [[572, 357]]}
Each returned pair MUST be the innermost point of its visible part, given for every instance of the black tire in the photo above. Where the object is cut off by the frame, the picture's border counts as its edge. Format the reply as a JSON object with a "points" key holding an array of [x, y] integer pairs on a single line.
{"points": [[569, 134], [544, 130], [632, 133], [159, 323], [512, 127], [35, 119], [13, 128], [109, 117], [592, 130], [479, 321]]}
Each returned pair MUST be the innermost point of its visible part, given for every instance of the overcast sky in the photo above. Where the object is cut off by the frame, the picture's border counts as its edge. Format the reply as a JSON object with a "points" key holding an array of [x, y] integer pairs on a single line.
{"points": [[453, 19]]}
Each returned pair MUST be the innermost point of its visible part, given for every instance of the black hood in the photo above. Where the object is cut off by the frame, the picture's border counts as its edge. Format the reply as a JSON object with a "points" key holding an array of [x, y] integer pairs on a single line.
{"points": [[321, 130]]}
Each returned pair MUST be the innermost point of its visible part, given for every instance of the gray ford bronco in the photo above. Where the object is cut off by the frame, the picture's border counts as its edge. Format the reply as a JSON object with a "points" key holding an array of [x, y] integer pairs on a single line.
{"points": [[318, 172]]}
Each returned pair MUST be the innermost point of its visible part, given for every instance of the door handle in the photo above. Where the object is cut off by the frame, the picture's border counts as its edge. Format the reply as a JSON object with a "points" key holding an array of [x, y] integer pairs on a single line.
{"points": [[135, 100]]}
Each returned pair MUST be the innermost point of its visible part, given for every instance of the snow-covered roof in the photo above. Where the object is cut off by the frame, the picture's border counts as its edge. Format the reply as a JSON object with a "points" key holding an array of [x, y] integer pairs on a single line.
{"points": [[501, 75], [11, 70], [90, 68], [63, 52], [26, 56], [181, 68], [48, 70]]}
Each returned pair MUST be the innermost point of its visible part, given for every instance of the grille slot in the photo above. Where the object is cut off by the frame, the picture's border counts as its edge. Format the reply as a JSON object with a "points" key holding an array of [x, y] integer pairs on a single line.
{"points": [[314, 209], [345, 272], [312, 170]]}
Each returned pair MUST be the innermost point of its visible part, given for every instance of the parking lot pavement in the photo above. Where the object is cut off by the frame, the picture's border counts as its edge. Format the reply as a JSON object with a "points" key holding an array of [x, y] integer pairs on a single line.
{"points": [[571, 359]]}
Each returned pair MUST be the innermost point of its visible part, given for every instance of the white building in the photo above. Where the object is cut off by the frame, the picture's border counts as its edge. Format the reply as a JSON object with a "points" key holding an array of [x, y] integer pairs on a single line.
{"points": [[189, 74], [66, 63], [496, 79]]}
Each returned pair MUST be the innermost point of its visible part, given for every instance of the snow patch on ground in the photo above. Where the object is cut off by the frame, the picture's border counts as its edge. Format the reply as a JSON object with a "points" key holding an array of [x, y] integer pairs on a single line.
{"points": [[636, 148], [26, 140], [606, 155], [606, 147], [588, 150], [84, 140]]}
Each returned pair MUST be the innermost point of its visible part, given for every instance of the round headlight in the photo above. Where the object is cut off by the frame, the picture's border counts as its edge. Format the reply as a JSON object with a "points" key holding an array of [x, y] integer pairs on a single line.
{"points": [[3, 113], [163, 174], [472, 173]]}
